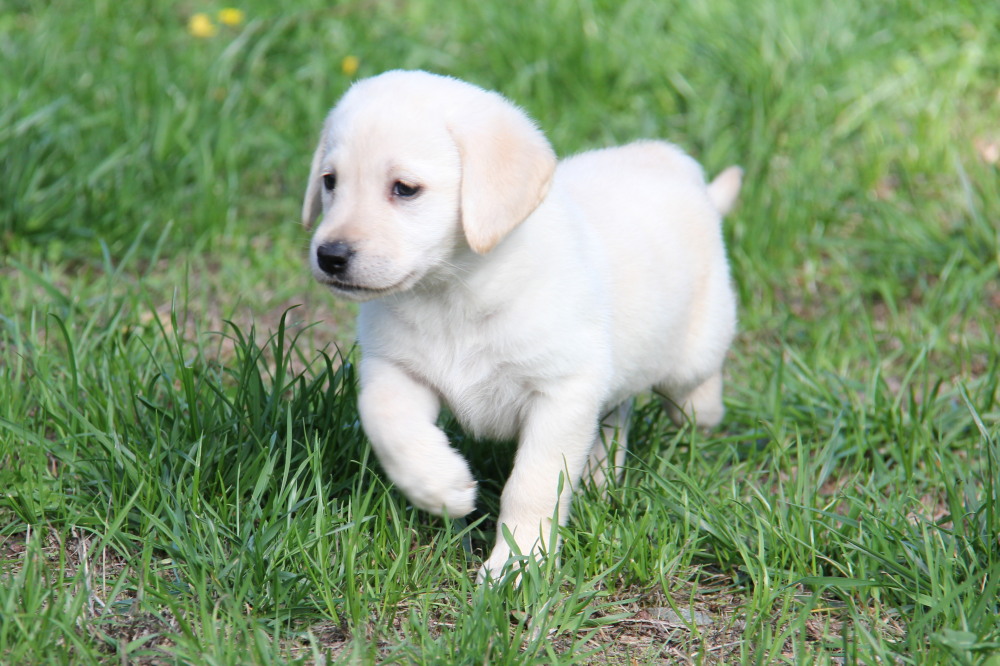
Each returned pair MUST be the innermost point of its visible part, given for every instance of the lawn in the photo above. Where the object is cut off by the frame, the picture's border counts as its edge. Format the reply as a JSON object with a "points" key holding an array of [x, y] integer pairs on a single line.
{"points": [[182, 475]]}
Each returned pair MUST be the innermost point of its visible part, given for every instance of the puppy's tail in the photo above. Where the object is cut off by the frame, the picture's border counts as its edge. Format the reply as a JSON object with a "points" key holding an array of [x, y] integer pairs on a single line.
{"points": [[725, 188]]}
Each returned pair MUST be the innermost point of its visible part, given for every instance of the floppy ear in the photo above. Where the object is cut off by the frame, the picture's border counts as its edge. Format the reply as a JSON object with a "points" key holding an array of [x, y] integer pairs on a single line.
{"points": [[507, 167], [312, 204]]}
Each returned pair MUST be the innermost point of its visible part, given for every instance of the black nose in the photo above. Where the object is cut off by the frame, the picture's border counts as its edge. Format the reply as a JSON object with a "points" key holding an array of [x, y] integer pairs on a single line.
{"points": [[334, 257]]}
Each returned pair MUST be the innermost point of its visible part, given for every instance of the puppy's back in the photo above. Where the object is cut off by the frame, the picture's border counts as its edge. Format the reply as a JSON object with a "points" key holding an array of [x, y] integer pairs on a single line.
{"points": [[661, 236]]}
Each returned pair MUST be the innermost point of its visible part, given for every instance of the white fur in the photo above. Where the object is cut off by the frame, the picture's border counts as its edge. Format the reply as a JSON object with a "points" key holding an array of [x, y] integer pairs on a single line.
{"points": [[533, 299]]}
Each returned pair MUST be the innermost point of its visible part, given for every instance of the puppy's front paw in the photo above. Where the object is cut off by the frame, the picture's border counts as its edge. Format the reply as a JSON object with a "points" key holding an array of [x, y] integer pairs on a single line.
{"points": [[493, 568], [458, 500], [442, 485], [509, 559]]}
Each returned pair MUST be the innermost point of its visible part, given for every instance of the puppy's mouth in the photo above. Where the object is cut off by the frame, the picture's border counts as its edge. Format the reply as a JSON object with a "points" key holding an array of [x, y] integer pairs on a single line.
{"points": [[359, 292]]}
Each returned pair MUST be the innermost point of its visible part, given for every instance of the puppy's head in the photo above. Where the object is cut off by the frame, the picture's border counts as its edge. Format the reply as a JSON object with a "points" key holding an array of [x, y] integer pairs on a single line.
{"points": [[410, 168]]}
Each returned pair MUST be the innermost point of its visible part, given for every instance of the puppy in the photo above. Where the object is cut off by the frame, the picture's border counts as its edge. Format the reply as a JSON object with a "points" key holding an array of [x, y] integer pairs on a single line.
{"points": [[533, 298]]}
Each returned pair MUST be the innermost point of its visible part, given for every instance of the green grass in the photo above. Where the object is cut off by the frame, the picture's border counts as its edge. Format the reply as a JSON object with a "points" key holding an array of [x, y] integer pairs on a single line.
{"points": [[182, 475]]}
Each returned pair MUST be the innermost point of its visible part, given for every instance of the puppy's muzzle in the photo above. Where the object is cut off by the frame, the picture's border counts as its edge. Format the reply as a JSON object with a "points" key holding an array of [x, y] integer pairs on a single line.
{"points": [[334, 258]]}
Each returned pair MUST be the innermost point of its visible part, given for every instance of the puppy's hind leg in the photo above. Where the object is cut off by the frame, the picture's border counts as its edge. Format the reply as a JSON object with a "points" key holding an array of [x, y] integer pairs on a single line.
{"points": [[702, 404], [608, 453]]}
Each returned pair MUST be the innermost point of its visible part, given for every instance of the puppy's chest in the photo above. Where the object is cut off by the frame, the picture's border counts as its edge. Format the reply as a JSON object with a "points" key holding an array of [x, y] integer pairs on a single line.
{"points": [[485, 381]]}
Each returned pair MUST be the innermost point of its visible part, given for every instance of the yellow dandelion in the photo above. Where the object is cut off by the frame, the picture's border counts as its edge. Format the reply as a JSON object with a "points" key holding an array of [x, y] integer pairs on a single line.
{"points": [[200, 25], [349, 65], [231, 16]]}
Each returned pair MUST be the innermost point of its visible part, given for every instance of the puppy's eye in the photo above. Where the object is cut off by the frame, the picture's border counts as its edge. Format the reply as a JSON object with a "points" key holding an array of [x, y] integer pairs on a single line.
{"points": [[329, 182], [404, 190]]}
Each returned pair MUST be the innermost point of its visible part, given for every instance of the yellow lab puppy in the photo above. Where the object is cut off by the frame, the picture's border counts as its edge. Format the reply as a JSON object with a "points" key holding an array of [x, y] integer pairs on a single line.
{"points": [[532, 297]]}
